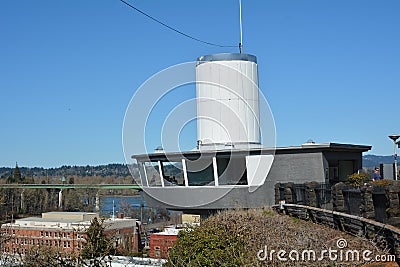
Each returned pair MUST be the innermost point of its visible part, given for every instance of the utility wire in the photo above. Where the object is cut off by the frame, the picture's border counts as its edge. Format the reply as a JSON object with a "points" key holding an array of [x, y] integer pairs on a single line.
{"points": [[173, 29]]}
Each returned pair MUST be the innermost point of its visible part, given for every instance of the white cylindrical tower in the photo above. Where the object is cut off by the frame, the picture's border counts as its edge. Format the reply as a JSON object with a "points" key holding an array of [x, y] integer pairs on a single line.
{"points": [[227, 101]]}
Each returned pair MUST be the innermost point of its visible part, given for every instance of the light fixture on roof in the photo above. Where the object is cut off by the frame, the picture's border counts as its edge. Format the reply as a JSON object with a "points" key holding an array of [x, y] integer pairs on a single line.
{"points": [[159, 149], [309, 142], [394, 137]]}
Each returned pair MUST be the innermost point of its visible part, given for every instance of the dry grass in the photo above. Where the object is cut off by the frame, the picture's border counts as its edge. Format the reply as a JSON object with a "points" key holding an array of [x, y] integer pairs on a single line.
{"points": [[234, 238]]}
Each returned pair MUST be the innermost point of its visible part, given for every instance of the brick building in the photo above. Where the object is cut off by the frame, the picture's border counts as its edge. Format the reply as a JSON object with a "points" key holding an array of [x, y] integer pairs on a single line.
{"points": [[65, 230], [160, 243]]}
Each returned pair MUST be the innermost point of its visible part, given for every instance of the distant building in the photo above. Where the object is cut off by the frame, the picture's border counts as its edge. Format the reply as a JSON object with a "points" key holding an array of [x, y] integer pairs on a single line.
{"points": [[161, 243], [190, 219], [387, 171], [65, 230]]}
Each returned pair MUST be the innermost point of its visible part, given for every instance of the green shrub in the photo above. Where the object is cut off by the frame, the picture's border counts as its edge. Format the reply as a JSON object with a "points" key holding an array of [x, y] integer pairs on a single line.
{"points": [[382, 182], [357, 179], [209, 245]]}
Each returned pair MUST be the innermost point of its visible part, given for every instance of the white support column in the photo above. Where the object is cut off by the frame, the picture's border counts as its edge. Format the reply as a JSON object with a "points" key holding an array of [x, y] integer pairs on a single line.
{"points": [[144, 174], [161, 173], [60, 199], [22, 200], [98, 201], [215, 169], [185, 172]]}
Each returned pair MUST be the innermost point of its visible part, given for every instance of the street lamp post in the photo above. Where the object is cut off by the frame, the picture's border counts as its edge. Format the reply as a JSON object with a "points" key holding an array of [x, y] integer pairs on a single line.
{"points": [[394, 137]]}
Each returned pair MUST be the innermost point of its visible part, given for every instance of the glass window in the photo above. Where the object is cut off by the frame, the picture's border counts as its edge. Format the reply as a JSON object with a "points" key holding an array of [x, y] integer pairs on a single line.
{"points": [[232, 171], [200, 172], [152, 173], [173, 174], [157, 252]]}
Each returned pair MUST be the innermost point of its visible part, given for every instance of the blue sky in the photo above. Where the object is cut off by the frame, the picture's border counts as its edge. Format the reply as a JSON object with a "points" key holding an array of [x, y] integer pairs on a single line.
{"points": [[68, 69]]}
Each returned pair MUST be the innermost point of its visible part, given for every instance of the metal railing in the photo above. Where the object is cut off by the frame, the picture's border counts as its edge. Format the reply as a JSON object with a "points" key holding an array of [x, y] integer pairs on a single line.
{"points": [[352, 201], [324, 195], [299, 193]]}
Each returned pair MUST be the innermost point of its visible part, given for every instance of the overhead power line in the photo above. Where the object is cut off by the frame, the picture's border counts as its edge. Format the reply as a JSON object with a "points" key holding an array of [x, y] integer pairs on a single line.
{"points": [[173, 29]]}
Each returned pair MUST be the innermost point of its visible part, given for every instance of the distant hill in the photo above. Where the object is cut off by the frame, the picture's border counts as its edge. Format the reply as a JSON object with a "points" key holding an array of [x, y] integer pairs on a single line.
{"points": [[374, 160], [101, 170]]}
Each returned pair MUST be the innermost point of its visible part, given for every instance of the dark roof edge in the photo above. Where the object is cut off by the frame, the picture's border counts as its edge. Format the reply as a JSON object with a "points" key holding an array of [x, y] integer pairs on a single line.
{"points": [[278, 150], [226, 57]]}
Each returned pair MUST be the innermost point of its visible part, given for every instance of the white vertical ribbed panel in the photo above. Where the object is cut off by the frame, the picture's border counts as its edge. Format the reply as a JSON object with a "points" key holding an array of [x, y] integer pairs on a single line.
{"points": [[227, 100]]}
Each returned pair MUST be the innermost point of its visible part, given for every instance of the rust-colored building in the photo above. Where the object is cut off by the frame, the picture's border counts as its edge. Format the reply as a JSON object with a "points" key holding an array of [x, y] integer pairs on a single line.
{"points": [[160, 243], [65, 231]]}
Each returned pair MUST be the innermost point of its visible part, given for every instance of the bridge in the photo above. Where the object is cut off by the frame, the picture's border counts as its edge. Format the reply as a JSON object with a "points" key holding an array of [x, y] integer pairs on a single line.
{"points": [[71, 186], [61, 187]]}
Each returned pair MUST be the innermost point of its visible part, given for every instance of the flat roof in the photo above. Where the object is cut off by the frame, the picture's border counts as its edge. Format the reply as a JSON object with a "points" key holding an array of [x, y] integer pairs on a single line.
{"points": [[305, 148], [70, 212], [38, 219], [226, 57], [67, 224]]}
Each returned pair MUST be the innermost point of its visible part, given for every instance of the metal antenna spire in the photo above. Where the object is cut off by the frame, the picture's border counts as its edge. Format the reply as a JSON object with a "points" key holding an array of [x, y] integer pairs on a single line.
{"points": [[241, 30]]}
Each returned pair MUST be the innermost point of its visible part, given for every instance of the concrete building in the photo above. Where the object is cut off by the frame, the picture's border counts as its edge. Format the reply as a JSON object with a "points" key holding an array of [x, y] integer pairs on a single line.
{"points": [[65, 231], [230, 167], [248, 183]]}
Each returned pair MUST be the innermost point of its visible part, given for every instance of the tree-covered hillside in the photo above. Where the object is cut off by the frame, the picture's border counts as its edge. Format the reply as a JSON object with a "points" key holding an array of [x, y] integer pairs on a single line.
{"points": [[115, 169]]}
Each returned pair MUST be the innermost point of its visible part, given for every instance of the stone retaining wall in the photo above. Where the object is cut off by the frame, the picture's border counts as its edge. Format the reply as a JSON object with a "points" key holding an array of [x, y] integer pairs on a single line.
{"points": [[389, 208]]}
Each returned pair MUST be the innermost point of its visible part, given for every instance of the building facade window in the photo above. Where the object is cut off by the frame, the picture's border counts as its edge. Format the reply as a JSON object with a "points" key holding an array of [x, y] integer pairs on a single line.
{"points": [[157, 252]]}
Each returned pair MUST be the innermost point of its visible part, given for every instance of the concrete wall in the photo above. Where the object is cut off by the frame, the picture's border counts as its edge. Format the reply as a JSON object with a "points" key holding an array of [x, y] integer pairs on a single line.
{"points": [[297, 168], [82, 216]]}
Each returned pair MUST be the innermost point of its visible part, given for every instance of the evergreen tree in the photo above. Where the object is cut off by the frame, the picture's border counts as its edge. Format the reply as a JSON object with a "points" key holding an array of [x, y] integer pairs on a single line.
{"points": [[97, 243], [10, 179], [17, 174], [28, 179]]}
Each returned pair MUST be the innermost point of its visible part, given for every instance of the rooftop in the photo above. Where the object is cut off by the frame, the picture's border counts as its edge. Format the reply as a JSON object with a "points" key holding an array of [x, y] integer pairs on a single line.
{"points": [[169, 231], [308, 147], [68, 221]]}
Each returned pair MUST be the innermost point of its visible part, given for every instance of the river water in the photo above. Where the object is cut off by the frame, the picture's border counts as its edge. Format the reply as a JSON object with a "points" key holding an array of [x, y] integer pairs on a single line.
{"points": [[107, 203]]}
